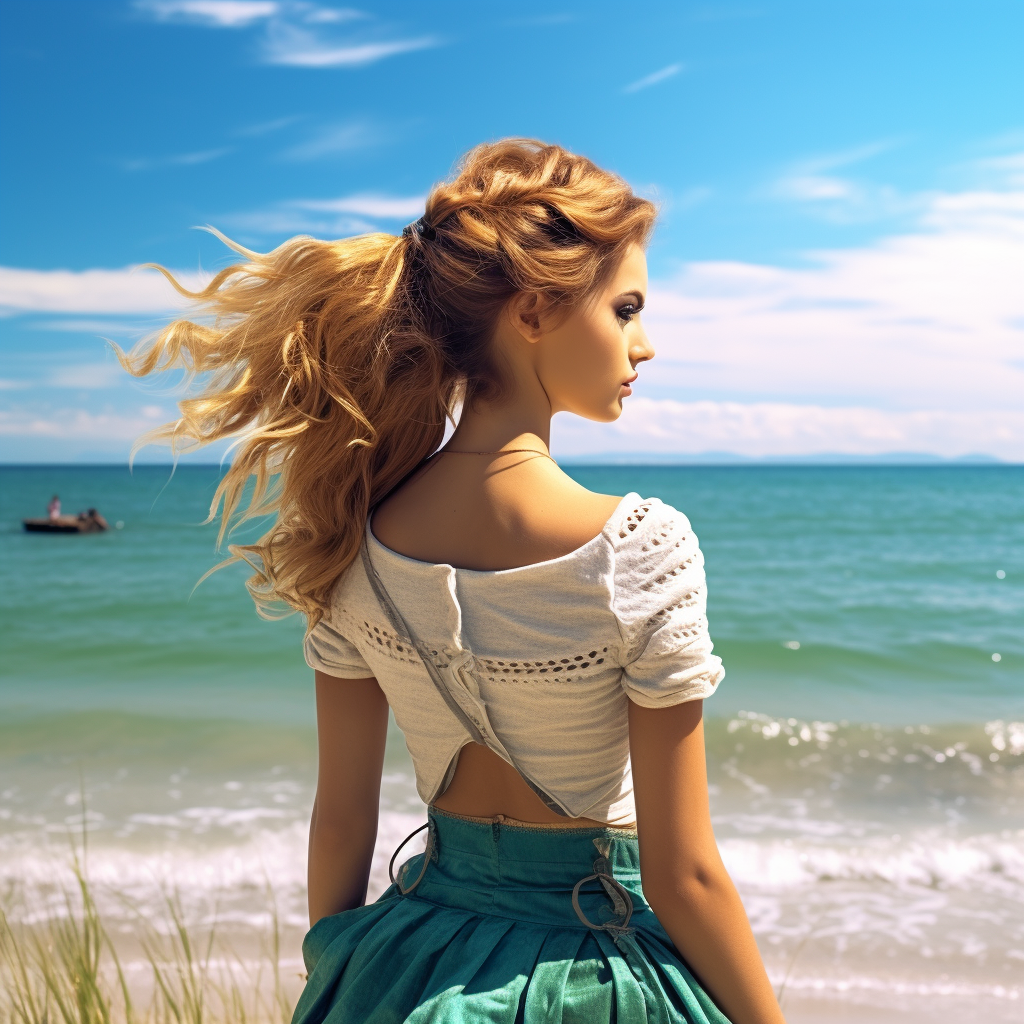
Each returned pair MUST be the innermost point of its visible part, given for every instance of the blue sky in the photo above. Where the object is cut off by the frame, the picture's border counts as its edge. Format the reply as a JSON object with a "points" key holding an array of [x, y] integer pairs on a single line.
{"points": [[837, 268]]}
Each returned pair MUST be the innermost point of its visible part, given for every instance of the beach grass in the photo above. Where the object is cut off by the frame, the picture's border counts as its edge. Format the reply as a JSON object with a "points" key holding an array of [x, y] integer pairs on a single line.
{"points": [[62, 966]]}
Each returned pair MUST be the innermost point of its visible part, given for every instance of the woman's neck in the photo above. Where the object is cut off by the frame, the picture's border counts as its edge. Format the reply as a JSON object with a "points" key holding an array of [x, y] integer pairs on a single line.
{"points": [[518, 423]]}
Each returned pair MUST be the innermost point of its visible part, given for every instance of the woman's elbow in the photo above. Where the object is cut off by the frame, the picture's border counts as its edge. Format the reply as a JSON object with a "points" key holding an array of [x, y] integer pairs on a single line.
{"points": [[688, 886]]}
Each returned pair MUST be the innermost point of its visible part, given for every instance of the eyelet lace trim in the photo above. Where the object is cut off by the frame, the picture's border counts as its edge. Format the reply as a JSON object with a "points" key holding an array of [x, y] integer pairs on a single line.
{"points": [[633, 520], [501, 671], [494, 670]]}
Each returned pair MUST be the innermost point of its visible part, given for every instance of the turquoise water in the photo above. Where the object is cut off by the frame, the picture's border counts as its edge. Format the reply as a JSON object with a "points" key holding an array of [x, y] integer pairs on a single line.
{"points": [[886, 577], [865, 765]]}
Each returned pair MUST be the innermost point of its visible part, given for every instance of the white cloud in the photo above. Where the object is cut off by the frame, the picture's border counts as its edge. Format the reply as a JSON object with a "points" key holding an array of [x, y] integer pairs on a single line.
{"points": [[290, 221], [95, 327], [332, 218], [80, 424], [367, 205], [129, 290], [654, 78], [267, 127], [334, 139], [87, 376], [328, 15], [300, 49], [177, 160], [913, 343], [297, 33], [764, 429], [930, 319], [814, 184], [211, 13]]}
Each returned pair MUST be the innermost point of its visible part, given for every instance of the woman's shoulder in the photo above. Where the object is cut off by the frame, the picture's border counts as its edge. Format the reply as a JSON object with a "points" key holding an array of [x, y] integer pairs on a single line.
{"points": [[645, 526], [658, 561]]}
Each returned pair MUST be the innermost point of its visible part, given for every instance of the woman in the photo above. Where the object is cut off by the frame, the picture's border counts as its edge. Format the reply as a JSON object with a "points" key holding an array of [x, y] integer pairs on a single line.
{"points": [[544, 649]]}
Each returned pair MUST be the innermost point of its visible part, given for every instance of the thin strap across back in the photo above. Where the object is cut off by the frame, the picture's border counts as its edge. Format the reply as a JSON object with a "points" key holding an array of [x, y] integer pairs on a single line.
{"points": [[468, 710]]}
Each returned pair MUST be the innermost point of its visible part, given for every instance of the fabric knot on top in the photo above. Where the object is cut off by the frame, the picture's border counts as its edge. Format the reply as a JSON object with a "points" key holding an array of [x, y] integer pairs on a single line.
{"points": [[461, 668]]}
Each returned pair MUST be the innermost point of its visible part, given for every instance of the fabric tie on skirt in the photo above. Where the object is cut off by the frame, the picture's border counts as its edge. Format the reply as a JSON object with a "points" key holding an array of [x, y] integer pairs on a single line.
{"points": [[505, 924]]}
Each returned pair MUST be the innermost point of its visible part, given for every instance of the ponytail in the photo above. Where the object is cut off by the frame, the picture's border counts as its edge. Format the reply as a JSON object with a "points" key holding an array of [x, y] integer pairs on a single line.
{"points": [[333, 365]]}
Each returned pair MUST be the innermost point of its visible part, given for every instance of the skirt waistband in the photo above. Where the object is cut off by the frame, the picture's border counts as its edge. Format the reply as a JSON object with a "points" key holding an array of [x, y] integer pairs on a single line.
{"points": [[577, 876], [540, 826]]}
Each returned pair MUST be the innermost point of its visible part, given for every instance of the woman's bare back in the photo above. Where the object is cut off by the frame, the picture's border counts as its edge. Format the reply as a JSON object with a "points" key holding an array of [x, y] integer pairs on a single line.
{"points": [[490, 512]]}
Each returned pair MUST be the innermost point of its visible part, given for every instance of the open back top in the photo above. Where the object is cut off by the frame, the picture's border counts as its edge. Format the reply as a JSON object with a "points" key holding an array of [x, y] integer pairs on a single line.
{"points": [[544, 656]]}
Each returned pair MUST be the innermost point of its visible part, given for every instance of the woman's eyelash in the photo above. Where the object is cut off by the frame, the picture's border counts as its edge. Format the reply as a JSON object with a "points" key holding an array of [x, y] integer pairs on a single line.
{"points": [[627, 312]]}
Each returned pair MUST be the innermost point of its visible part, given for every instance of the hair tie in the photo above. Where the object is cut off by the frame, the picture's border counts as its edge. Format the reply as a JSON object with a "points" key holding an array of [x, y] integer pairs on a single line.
{"points": [[421, 228]]}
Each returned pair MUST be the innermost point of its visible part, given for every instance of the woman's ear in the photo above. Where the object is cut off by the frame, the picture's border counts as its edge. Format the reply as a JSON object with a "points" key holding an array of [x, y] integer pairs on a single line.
{"points": [[525, 315]]}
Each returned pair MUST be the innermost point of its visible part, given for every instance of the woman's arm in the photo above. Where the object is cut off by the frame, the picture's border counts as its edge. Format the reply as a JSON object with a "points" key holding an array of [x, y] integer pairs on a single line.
{"points": [[352, 725], [684, 878]]}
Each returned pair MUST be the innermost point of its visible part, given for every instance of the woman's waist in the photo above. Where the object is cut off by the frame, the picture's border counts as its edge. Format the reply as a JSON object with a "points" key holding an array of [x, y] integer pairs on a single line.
{"points": [[523, 870], [502, 850], [526, 872]]}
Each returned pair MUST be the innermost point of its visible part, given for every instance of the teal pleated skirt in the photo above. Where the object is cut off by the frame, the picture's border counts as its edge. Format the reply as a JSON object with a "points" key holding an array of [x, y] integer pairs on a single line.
{"points": [[493, 931]]}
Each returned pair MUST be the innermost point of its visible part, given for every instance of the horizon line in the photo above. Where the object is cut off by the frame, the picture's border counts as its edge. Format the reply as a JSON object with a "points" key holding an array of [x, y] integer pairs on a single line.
{"points": [[646, 460]]}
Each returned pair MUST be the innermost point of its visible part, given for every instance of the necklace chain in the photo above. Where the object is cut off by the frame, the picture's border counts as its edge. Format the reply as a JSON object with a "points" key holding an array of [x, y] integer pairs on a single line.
{"points": [[500, 451]]}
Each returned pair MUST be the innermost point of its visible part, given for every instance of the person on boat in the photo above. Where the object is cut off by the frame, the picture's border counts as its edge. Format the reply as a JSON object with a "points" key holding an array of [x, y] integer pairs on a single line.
{"points": [[94, 519], [53, 509], [544, 648]]}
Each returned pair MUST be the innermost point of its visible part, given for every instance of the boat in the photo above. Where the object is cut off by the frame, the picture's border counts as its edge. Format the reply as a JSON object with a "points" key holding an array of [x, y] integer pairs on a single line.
{"points": [[84, 522]]}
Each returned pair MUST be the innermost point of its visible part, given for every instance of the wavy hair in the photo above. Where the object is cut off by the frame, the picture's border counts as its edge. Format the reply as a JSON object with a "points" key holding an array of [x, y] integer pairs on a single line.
{"points": [[334, 364]]}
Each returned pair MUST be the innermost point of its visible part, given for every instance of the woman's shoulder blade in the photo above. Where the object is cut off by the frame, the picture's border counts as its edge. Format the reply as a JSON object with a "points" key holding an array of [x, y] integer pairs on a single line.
{"points": [[507, 520]]}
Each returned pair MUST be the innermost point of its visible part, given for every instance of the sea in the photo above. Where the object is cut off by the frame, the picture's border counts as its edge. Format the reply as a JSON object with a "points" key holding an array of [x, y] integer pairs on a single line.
{"points": [[865, 751]]}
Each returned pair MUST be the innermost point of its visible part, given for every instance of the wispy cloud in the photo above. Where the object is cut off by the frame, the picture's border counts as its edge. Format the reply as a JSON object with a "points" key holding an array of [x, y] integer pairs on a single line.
{"points": [[773, 429], [267, 127], [933, 318], [203, 156], [128, 290], [814, 183], [295, 33], [284, 221], [81, 424], [300, 49], [94, 327], [87, 376], [211, 13], [912, 343], [654, 78], [333, 140], [368, 205], [333, 218]]}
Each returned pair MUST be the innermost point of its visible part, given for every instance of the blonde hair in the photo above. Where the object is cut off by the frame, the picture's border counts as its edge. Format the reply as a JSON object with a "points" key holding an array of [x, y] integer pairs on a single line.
{"points": [[335, 364]]}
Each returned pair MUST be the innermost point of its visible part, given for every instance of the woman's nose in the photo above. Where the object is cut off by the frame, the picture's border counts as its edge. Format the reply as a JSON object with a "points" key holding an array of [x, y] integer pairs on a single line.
{"points": [[641, 348]]}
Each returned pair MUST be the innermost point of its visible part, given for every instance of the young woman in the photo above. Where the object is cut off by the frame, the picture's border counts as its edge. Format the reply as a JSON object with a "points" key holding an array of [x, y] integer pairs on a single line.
{"points": [[544, 649]]}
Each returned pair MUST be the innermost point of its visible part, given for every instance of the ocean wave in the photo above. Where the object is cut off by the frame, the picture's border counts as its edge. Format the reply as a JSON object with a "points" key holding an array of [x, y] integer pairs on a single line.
{"points": [[855, 769], [992, 740], [986, 862], [209, 878], [843, 986]]}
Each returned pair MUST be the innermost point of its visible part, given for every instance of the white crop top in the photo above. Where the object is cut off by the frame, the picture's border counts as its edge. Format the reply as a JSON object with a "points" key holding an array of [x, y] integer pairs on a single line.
{"points": [[547, 654]]}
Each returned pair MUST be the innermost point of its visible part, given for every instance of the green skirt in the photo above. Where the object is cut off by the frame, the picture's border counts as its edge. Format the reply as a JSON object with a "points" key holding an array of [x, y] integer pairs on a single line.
{"points": [[504, 923]]}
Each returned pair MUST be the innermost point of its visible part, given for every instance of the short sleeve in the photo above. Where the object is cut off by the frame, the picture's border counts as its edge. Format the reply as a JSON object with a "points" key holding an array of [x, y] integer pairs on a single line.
{"points": [[328, 651], [661, 606]]}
